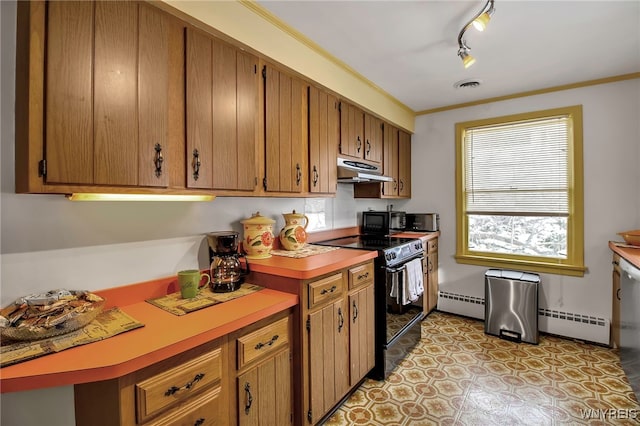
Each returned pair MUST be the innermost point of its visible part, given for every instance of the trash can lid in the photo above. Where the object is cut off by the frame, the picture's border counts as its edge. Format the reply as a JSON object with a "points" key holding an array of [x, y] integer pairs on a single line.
{"points": [[512, 275]]}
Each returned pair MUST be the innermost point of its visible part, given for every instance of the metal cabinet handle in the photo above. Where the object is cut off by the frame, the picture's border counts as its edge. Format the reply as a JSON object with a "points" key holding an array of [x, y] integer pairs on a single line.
{"points": [[173, 389], [618, 294], [363, 276], [196, 164], [199, 422], [358, 144], [355, 311], [368, 147], [401, 184], [331, 290], [315, 176], [298, 174], [340, 320], [158, 159], [247, 390], [269, 343]]}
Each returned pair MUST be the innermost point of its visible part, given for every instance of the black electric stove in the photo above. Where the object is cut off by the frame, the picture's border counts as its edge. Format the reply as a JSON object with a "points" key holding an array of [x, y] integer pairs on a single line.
{"points": [[397, 325], [393, 250]]}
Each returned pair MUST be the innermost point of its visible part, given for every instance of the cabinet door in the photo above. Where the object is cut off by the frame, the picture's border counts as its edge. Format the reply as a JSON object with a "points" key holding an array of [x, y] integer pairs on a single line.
{"points": [[286, 131], [615, 311], [106, 108], [390, 160], [222, 108], [404, 164], [199, 91], [372, 138], [361, 333], [264, 393], [328, 358], [324, 137], [351, 130], [69, 86], [432, 285]]}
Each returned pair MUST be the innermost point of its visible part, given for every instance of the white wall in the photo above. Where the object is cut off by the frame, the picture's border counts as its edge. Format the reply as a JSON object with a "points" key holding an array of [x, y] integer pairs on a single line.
{"points": [[611, 115], [48, 242]]}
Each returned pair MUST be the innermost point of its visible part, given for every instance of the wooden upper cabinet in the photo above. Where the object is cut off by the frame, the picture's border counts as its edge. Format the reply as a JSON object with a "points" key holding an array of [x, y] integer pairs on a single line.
{"points": [[360, 134], [222, 114], [390, 160], [106, 84], [286, 126], [372, 138], [324, 137], [404, 164]]}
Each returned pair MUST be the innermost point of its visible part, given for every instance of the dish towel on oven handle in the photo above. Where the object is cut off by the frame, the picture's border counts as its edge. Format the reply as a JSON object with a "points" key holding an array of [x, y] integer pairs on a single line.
{"points": [[413, 283]]}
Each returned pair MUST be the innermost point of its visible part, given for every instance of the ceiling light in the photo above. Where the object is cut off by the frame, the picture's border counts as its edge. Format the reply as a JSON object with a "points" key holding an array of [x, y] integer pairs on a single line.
{"points": [[139, 197], [467, 59], [479, 22]]}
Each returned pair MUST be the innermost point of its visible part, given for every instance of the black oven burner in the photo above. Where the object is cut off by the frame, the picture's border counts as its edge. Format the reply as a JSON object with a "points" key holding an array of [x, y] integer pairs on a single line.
{"points": [[397, 325]]}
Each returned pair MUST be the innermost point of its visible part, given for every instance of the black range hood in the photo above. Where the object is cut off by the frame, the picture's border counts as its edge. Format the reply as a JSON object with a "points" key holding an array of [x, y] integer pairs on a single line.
{"points": [[355, 171]]}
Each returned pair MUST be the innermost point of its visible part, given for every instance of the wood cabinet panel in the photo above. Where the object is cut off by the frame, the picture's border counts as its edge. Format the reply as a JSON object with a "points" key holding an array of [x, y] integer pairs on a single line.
{"points": [[115, 94], [329, 360], [248, 121], [263, 342], [153, 100], [372, 138], [69, 87], [324, 137], [390, 160], [324, 289], [362, 333], [199, 81], [404, 164], [201, 411], [430, 270], [264, 393], [615, 309], [286, 132], [172, 386]]}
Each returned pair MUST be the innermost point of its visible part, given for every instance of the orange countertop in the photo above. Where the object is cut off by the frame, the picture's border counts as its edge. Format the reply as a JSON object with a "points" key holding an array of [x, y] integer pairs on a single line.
{"points": [[311, 266], [632, 255], [424, 236], [164, 335]]}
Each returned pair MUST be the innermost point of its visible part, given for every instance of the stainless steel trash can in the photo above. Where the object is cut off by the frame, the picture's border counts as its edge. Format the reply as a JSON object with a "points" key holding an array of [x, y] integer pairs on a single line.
{"points": [[511, 305]]}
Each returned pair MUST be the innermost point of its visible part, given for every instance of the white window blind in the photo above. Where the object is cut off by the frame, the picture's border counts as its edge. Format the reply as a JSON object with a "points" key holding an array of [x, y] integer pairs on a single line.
{"points": [[518, 168]]}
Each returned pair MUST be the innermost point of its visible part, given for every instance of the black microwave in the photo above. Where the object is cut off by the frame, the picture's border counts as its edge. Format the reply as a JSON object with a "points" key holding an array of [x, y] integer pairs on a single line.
{"points": [[383, 222]]}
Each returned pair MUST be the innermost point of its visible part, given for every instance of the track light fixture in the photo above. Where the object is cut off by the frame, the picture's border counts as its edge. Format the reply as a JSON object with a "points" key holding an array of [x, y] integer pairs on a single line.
{"points": [[479, 22]]}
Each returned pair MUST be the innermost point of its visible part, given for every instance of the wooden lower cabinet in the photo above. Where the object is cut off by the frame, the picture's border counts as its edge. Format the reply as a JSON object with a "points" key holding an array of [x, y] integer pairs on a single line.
{"points": [[615, 309], [195, 388], [189, 388], [264, 384], [333, 336], [430, 270]]}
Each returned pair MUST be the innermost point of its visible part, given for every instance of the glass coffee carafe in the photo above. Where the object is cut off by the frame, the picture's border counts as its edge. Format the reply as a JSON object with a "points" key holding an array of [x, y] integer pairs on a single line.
{"points": [[227, 272]]}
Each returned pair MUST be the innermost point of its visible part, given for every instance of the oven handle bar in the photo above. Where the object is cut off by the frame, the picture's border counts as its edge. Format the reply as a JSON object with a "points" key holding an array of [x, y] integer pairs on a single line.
{"points": [[403, 264]]}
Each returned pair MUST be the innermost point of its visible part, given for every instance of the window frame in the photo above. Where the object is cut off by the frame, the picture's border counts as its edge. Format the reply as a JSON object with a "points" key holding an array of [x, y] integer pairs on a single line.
{"points": [[573, 265]]}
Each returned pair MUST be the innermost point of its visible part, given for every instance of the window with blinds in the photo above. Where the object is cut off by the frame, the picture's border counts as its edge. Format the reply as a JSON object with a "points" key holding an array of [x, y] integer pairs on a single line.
{"points": [[519, 191]]}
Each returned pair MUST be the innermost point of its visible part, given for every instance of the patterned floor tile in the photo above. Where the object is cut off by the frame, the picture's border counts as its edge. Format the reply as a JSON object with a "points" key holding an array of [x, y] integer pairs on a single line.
{"points": [[459, 376]]}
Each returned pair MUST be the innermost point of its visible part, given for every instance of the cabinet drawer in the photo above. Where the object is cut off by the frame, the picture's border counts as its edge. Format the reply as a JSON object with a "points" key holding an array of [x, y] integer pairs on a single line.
{"points": [[359, 275], [262, 342], [177, 384], [432, 246], [325, 289], [201, 411]]}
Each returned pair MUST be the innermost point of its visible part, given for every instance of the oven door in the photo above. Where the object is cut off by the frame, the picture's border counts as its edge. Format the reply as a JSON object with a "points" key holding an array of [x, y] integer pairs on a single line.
{"points": [[403, 309]]}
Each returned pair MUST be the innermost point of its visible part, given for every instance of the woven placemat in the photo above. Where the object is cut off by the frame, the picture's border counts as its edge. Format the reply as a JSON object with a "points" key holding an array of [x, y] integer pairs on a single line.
{"points": [[106, 324], [175, 304], [307, 250]]}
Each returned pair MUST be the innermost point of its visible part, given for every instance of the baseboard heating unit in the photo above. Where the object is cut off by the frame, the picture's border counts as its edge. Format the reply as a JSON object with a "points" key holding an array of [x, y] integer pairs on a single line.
{"points": [[566, 324]]}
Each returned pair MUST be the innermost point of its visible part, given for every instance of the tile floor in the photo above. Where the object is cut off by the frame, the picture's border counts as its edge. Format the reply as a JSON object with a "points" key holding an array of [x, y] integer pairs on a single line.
{"points": [[458, 375]]}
